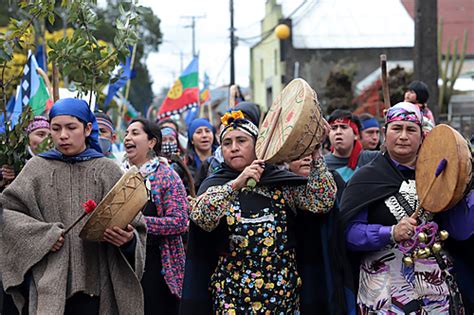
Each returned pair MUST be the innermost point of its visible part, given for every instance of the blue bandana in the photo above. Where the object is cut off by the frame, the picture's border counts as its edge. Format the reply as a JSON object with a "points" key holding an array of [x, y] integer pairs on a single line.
{"points": [[79, 109], [369, 123], [85, 155], [196, 123]]}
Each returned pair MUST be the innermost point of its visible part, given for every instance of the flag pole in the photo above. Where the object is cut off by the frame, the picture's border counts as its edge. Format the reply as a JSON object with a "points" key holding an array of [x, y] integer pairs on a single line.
{"points": [[46, 81], [132, 61], [55, 82], [211, 118]]}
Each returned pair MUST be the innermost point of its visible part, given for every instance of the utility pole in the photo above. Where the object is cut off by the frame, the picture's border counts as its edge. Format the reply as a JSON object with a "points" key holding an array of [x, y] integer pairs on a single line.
{"points": [[232, 44], [193, 28], [426, 49]]}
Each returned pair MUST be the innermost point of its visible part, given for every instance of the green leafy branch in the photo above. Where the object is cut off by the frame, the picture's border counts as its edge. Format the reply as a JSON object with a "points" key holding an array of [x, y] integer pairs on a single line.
{"points": [[14, 141], [82, 57]]}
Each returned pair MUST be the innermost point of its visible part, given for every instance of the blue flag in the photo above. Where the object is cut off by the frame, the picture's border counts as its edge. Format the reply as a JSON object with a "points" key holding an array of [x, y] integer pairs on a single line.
{"points": [[191, 115], [42, 58], [9, 108], [17, 107], [120, 83]]}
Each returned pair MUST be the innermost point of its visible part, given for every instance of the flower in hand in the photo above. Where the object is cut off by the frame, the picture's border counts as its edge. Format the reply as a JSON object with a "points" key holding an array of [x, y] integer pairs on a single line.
{"points": [[89, 206]]}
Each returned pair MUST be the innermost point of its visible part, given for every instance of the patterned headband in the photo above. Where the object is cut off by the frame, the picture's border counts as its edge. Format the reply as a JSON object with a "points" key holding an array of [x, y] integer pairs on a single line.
{"points": [[106, 123], [38, 122], [233, 120], [168, 131], [404, 111]]}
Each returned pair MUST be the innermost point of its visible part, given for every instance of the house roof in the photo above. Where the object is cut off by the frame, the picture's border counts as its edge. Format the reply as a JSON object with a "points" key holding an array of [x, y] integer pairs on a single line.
{"points": [[328, 24], [457, 15]]}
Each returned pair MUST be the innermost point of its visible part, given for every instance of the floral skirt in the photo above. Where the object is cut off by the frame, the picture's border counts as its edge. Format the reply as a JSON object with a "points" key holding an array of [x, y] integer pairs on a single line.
{"points": [[256, 284], [387, 286]]}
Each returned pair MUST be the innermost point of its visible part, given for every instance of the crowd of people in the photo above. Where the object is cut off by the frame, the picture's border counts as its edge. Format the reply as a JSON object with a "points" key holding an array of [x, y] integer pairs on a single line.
{"points": [[318, 235]]}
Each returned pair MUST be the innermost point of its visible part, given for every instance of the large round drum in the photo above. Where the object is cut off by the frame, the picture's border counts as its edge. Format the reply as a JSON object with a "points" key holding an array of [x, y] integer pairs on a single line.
{"points": [[443, 142], [119, 207], [299, 126]]}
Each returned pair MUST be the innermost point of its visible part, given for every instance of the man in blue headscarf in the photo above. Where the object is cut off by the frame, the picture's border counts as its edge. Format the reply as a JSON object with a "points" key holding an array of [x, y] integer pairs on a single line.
{"points": [[74, 131], [59, 273]]}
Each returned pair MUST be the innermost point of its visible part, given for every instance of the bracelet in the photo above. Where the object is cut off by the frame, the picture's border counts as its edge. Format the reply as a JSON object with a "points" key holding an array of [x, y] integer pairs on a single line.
{"points": [[392, 234]]}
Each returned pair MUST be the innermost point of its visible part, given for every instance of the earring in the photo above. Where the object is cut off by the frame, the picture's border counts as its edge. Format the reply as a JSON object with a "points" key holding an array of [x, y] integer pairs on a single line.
{"points": [[151, 153]]}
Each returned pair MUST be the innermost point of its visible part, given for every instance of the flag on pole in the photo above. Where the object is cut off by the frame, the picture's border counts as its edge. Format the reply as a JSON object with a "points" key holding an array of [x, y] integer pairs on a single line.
{"points": [[42, 58], [120, 83], [17, 108], [31, 92], [184, 94], [204, 94], [129, 112], [9, 111]]}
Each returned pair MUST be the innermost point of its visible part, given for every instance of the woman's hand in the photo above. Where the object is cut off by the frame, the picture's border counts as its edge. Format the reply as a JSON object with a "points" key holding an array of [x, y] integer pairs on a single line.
{"points": [[8, 173], [317, 153], [404, 230], [254, 171], [59, 243], [117, 236]]}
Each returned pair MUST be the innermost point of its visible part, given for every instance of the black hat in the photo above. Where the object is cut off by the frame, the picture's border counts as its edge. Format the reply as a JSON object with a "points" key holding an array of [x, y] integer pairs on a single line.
{"points": [[251, 110], [421, 90]]}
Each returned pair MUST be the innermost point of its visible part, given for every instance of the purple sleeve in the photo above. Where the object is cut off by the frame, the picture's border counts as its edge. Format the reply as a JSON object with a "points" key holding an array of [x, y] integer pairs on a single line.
{"points": [[361, 236], [459, 220]]}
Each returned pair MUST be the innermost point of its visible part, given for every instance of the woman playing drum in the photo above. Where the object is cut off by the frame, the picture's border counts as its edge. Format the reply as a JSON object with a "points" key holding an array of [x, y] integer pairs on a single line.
{"points": [[249, 264], [402, 266]]}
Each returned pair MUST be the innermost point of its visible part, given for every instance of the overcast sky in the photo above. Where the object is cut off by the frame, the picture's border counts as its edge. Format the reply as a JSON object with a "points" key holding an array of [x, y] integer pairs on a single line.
{"points": [[212, 38]]}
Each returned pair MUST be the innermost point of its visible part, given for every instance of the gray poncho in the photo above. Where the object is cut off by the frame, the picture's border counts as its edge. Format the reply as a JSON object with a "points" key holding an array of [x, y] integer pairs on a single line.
{"points": [[44, 198]]}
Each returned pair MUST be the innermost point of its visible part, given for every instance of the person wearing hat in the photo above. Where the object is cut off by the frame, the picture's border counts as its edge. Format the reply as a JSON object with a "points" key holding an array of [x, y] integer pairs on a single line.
{"points": [[417, 93], [376, 223], [213, 163], [347, 154], [369, 132], [37, 131], [201, 144], [241, 254], [47, 271], [107, 134]]}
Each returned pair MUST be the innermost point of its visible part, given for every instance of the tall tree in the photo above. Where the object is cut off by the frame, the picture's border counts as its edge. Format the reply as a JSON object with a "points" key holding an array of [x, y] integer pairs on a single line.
{"points": [[426, 48]]}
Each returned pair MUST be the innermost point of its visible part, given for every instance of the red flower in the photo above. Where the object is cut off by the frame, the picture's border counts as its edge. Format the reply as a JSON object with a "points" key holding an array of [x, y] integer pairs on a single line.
{"points": [[89, 205]]}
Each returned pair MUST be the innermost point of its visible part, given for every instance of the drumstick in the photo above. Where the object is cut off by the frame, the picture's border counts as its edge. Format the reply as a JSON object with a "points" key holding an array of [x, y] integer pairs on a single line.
{"points": [[232, 95], [270, 134], [75, 223], [88, 206], [439, 169], [385, 90], [251, 182]]}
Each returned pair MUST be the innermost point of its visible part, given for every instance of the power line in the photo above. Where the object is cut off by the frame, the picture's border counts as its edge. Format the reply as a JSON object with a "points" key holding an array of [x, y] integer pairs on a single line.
{"points": [[193, 27]]}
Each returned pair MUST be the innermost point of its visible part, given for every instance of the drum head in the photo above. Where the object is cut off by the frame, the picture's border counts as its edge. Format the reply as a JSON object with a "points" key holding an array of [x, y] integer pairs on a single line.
{"points": [[118, 208], [299, 125], [443, 142]]}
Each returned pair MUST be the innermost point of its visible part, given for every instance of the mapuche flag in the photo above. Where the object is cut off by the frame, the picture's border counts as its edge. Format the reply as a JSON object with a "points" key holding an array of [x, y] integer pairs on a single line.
{"points": [[32, 91], [184, 94]]}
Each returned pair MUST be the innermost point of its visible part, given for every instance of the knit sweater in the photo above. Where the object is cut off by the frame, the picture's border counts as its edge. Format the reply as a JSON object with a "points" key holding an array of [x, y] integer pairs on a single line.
{"points": [[44, 198]]}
